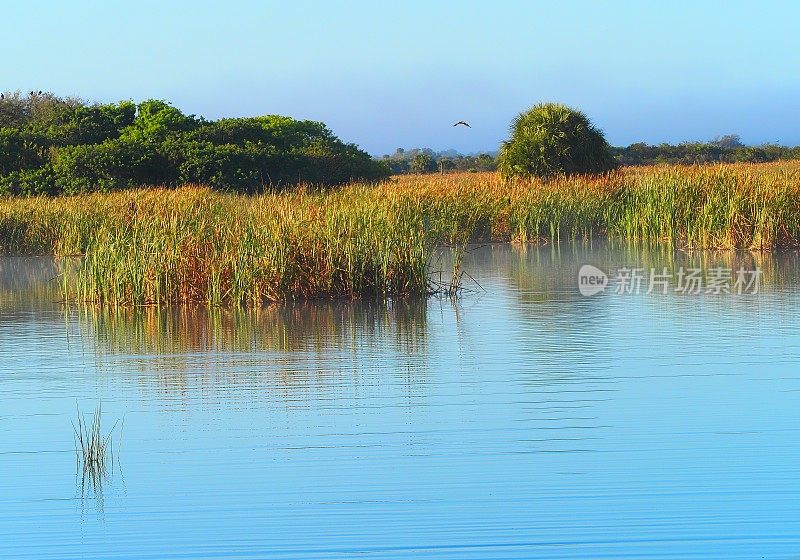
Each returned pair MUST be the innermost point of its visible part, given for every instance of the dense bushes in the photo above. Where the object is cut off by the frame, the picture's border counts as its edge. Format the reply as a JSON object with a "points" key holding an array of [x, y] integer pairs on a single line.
{"points": [[52, 145], [110, 165], [551, 139]]}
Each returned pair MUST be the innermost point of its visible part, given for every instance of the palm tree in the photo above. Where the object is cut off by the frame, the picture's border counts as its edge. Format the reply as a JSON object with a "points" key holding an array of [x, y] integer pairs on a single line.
{"points": [[552, 139]]}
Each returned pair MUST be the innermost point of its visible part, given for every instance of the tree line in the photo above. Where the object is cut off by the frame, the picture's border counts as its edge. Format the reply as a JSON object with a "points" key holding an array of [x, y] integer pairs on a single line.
{"points": [[724, 149], [425, 160], [53, 145]]}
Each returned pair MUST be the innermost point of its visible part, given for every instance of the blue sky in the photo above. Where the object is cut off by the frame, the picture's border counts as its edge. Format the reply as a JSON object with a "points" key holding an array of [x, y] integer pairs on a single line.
{"points": [[389, 74]]}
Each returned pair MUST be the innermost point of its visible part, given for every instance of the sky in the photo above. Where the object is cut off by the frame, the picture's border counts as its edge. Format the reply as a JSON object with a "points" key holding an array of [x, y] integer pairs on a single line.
{"points": [[399, 74]]}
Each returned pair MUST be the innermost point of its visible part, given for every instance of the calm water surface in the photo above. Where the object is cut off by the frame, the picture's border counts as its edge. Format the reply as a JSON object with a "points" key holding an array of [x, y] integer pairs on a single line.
{"points": [[522, 421]]}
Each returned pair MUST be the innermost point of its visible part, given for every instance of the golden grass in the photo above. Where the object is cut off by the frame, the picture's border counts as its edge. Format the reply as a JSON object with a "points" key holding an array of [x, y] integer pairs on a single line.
{"points": [[744, 206], [191, 244]]}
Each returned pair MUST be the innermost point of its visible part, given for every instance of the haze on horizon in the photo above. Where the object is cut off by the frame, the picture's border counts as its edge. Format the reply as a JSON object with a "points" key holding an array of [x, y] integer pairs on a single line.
{"points": [[398, 75]]}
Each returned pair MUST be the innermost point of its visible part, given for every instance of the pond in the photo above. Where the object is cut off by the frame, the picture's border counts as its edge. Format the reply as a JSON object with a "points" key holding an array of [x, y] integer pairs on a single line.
{"points": [[520, 420]]}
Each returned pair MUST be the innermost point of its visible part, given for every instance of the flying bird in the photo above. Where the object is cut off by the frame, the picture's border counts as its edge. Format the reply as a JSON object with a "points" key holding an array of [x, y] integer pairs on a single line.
{"points": [[465, 123]]}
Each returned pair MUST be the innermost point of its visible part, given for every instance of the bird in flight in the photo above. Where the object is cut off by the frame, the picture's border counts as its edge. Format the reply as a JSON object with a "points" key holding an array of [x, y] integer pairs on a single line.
{"points": [[464, 123]]}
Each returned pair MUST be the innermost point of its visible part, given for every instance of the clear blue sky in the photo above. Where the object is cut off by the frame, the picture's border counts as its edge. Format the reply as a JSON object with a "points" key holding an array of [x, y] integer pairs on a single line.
{"points": [[389, 74]]}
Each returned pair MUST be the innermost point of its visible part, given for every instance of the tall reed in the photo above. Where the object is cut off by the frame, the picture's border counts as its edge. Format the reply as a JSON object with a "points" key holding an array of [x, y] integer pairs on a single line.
{"points": [[155, 246]]}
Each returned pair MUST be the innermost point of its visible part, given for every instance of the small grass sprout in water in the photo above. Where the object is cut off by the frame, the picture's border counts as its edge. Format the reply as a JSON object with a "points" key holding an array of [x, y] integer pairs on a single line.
{"points": [[94, 449]]}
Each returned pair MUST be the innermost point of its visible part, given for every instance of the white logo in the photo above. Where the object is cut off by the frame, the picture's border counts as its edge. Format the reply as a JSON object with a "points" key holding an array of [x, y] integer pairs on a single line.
{"points": [[591, 280]]}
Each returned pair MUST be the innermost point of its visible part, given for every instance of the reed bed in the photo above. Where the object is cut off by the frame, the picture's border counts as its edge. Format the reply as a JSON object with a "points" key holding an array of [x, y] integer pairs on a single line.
{"points": [[156, 246]]}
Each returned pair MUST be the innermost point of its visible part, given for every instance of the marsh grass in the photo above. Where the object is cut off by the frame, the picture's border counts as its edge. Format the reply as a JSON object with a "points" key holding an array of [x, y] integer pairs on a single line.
{"points": [[194, 245], [94, 451]]}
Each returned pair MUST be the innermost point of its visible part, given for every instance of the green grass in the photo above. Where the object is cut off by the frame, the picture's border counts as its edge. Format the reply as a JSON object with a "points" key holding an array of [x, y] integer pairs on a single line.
{"points": [[93, 449], [193, 245]]}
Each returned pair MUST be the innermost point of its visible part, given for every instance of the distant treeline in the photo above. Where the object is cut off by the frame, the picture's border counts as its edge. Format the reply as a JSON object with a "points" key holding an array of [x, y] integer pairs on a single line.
{"points": [[724, 149], [425, 160], [53, 145]]}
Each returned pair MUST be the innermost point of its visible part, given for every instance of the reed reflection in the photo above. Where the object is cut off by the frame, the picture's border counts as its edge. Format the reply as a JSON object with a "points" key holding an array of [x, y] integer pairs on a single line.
{"points": [[290, 349], [549, 273]]}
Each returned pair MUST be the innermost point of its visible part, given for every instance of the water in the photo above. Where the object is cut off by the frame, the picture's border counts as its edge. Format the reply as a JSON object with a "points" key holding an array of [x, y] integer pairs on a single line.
{"points": [[522, 421]]}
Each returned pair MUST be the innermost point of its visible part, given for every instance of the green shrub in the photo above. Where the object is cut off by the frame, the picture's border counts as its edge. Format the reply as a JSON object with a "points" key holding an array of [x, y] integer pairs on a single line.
{"points": [[551, 140], [29, 182], [70, 147], [65, 125], [220, 166], [18, 151], [248, 154], [111, 165], [156, 121]]}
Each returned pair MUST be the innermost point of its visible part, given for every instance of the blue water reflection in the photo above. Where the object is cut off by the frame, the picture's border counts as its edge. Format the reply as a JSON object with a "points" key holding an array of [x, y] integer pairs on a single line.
{"points": [[522, 421]]}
